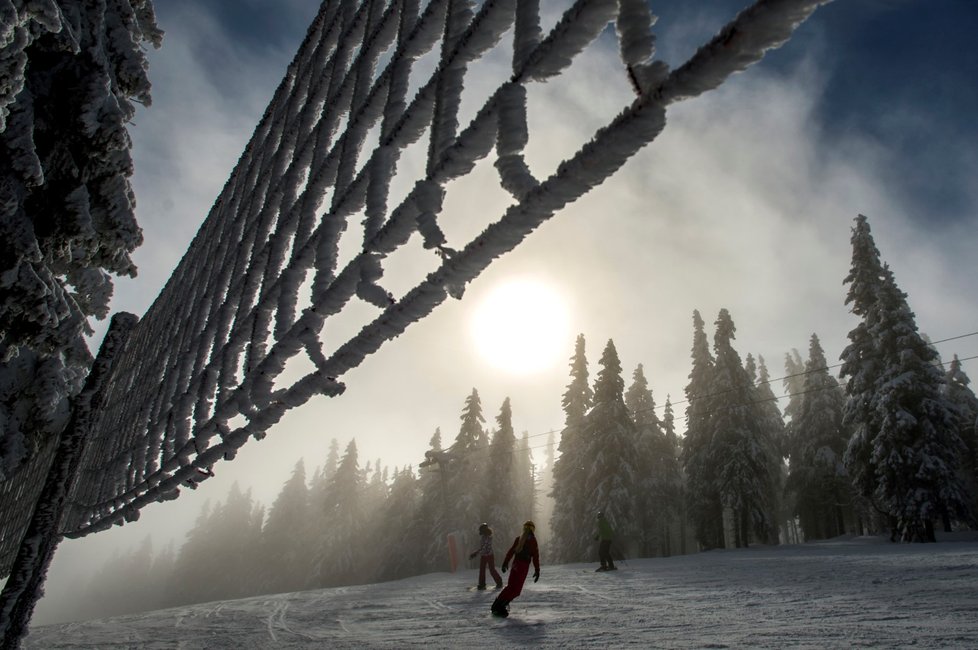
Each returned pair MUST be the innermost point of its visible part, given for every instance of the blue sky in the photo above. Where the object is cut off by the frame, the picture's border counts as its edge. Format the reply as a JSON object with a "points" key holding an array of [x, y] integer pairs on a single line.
{"points": [[885, 64], [904, 73], [900, 72], [745, 202]]}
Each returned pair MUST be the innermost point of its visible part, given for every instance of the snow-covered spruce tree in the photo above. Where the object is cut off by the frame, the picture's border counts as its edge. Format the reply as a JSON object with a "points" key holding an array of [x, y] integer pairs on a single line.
{"points": [[192, 562], [344, 518], [648, 501], [916, 447], [70, 73], [375, 494], [773, 422], [904, 448], [658, 482], [322, 476], [501, 506], [703, 505], [742, 451], [526, 481], [399, 540], [862, 365], [544, 500], [375, 477], [315, 529], [963, 399], [466, 467], [217, 561], [610, 456], [818, 481], [769, 407], [285, 545], [641, 403], [794, 387], [676, 539], [570, 510], [432, 523], [237, 533], [669, 425]]}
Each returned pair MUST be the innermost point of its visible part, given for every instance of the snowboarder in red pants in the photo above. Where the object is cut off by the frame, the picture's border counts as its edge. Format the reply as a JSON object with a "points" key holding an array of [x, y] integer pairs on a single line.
{"points": [[523, 551]]}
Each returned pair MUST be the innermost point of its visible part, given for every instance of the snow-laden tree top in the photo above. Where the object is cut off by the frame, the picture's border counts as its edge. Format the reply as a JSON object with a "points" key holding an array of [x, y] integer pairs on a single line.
{"points": [[206, 368], [69, 77], [70, 74]]}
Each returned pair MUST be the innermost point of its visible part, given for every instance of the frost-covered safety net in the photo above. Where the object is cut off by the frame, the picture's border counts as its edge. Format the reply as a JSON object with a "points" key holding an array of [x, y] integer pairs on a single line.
{"points": [[205, 369]]}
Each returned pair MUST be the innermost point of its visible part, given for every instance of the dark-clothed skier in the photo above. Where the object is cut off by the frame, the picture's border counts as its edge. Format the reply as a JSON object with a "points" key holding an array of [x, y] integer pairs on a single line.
{"points": [[523, 551], [605, 534], [486, 558]]}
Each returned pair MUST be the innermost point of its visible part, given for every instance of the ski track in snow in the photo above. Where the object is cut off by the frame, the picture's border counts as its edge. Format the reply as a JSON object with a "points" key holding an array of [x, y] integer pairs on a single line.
{"points": [[861, 592]]}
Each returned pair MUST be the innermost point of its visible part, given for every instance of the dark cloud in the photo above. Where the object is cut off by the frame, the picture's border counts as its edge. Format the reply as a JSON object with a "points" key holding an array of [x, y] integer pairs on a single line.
{"points": [[904, 73], [895, 72], [255, 24], [229, 34]]}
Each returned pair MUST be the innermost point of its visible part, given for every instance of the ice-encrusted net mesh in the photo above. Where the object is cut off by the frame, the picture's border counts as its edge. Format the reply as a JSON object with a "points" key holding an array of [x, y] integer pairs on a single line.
{"points": [[204, 369]]}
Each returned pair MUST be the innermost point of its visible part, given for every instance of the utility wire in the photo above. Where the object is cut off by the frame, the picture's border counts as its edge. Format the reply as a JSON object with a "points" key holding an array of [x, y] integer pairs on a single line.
{"points": [[820, 369]]}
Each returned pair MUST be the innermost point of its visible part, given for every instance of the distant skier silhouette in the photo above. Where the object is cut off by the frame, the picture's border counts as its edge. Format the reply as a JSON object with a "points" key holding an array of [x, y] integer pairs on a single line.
{"points": [[605, 534]]}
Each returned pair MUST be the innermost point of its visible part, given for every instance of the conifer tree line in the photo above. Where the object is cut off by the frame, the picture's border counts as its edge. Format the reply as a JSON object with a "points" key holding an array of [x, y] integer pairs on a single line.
{"points": [[889, 446], [348, 523], [892, 449]]}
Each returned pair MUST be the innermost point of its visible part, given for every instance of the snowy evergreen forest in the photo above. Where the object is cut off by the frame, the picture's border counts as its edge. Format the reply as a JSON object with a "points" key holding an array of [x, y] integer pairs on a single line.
{"points": [[890, 450]]}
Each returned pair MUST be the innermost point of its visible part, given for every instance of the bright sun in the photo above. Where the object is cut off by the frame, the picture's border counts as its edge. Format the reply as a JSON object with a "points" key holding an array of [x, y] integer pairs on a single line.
{"points": [[521, 326]]}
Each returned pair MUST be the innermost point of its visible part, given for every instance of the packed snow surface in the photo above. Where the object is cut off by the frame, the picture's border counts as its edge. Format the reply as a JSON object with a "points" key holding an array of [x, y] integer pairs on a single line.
{"points": [[855, 592]]}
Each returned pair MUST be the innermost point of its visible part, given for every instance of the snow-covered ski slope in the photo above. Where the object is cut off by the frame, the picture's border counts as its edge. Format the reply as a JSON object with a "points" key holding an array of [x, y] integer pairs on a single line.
{"points": [[862, 592]]}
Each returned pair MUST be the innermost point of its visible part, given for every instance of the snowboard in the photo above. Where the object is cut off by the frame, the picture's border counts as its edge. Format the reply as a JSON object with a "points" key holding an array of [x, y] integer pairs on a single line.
{"points": [[519, 619]]}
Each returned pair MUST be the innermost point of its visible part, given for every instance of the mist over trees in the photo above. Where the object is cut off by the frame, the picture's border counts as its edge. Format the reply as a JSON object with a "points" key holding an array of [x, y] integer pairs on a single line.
{"points": [[892, 450], [349, 523]]}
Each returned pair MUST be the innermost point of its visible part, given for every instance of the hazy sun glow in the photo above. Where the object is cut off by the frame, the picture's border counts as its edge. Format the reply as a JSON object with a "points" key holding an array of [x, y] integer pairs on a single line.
{"points": [[521, 327]]}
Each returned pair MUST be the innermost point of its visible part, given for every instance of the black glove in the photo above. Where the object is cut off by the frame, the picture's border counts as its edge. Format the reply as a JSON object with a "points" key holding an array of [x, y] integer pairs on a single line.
{"points": [[536, 576], [504, 567], [472, 555]]}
